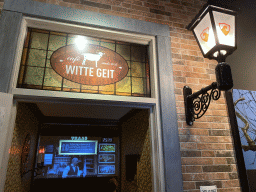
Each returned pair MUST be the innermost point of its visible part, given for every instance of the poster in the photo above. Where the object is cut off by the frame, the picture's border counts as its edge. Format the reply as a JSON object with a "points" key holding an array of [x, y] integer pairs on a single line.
{"points": [[245, 108]]}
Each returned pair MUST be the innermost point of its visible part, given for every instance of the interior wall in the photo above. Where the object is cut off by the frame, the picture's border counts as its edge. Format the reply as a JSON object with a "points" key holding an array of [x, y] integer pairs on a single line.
{"points": [[26, 122], [135, 140]]}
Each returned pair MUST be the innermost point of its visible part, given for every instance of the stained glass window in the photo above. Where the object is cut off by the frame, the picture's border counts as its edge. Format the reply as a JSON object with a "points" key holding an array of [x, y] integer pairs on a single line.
{"points": [[39, 70]]}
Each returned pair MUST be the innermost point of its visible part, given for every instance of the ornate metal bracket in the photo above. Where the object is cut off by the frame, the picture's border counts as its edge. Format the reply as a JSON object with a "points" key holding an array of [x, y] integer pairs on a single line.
{"points": [[196, 104]]}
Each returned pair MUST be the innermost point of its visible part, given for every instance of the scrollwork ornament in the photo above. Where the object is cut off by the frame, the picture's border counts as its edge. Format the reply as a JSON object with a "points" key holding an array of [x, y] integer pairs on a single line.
{"points": [[215, 94], [202, 102]]}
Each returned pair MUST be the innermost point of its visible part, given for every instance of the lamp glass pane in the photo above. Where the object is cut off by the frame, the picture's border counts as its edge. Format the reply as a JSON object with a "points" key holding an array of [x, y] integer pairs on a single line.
{"points": [[225, 26], [204, 34]]}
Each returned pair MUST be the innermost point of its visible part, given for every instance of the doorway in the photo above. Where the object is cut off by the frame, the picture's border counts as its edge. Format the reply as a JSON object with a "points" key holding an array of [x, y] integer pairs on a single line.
{"points": [[127, 127]]}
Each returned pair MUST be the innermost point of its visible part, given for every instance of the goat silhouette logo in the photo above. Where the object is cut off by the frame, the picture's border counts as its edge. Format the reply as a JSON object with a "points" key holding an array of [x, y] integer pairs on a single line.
{"points": [[205, 34], [225, 28], [92, 57], [95, 65]]}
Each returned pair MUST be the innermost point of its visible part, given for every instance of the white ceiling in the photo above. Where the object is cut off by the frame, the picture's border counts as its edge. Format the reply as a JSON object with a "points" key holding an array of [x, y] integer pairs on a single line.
{"points": [[83, 111]]}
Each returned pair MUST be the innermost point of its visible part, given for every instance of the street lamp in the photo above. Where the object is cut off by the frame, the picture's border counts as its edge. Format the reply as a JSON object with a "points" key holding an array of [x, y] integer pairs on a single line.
{"points": [[215, 31]]}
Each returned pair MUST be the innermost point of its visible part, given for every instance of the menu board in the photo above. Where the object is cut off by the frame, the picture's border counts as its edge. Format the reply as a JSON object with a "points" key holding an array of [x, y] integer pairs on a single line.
{"points": [[71, 147]]}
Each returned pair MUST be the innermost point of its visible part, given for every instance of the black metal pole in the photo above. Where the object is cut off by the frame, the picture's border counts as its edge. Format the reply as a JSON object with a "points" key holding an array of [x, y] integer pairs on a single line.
{"points": [[237, 143]]}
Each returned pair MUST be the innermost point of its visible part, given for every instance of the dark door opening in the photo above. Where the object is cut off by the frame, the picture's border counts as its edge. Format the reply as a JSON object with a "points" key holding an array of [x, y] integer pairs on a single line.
{"points": [[120, 152]]}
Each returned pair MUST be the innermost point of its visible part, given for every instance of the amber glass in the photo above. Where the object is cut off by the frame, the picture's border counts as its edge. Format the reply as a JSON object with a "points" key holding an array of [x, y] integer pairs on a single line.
{"points": [[36, 71]]}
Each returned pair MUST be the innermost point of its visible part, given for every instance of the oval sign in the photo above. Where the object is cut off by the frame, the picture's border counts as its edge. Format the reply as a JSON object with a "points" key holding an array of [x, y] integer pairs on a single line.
{"points": [[95, 65]]}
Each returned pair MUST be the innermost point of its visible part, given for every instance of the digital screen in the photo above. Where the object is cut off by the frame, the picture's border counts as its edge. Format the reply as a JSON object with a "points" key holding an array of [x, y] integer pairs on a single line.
{"points": [[106, 147], [71, 147], [106, 169], [48, 159], [106, 158], [49, 149]]}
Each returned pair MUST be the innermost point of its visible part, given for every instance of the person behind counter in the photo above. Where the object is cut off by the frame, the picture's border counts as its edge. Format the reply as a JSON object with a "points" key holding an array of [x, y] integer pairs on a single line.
{"points": [[72, 170]]}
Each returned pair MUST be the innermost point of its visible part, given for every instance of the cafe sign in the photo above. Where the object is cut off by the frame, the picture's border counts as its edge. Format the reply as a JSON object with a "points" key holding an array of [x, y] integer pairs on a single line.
{"points": [[95, 65]]}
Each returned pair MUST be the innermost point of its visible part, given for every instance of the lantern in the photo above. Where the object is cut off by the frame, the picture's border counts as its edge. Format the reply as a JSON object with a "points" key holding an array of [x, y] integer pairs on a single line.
{"points": [[215, 29]]}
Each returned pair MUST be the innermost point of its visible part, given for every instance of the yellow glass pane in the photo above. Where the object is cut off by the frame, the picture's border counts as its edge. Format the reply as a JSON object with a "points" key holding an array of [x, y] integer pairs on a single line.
{"points": [[123, 94], [107, 88], [56, 42], [138, 53], [89, 91], [108, 45], [52, 79], [70, 84], [129, 63], [124, 85], [39, 40], [107, 92], [138, 85], [52, 88], [36, 58], [34, 76], [138, 69], [124, 51], [89, 87]]}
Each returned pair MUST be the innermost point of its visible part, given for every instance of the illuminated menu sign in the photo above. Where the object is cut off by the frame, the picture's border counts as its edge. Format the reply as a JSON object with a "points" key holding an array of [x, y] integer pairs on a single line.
{"points": [[71, 147], [94, 65]]}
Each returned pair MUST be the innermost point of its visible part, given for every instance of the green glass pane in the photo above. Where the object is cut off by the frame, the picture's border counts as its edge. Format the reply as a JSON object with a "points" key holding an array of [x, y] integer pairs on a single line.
{"points": [[34, 76], [89, 40], [39, 40], [108, 45], [49, 53], [56, 42], [52, 79], [48, 64], [138, 53], [138, 85], [124, 51], [124, 85], [138, 69], [36, 58]]}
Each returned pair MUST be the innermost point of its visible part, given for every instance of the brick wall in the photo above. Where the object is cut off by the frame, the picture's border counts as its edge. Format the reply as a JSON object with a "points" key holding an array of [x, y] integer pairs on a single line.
{"points": [[206, 147]]}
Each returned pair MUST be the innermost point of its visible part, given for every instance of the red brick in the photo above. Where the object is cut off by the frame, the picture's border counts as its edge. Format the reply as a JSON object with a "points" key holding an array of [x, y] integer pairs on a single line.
{"points": [[188, 145], [126, 5], [238, 189], [140, 8], [194, 169], [72, 1], [215, 139], [189, 185], [209, 146], [219, 160], [208, 154], [196, 161], [219, 176], [121, 9], [195, 177], [193, 131]]}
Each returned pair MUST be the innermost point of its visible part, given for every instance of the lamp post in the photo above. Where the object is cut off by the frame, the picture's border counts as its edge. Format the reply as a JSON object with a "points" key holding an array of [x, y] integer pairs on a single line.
{"points": [[214, 29]]}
